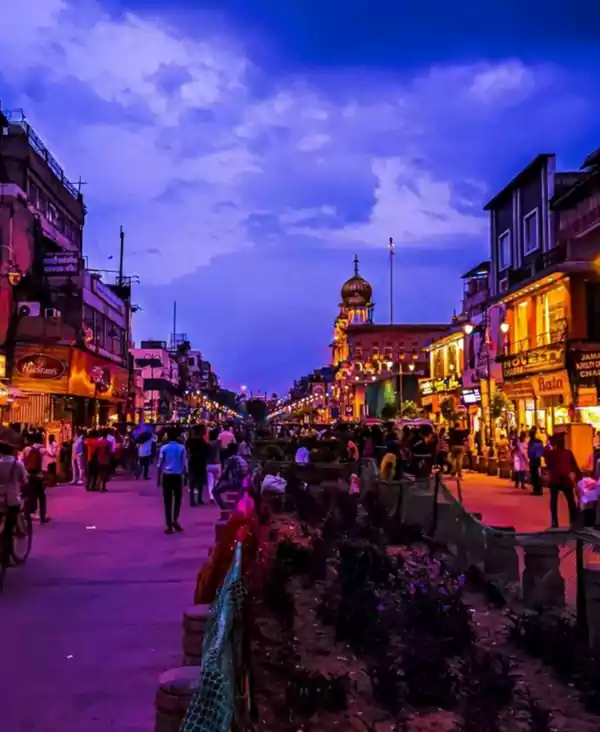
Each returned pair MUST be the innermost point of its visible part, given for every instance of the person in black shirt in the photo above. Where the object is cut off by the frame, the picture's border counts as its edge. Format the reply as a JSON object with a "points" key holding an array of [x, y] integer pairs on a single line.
{"points": [[198, 451]]}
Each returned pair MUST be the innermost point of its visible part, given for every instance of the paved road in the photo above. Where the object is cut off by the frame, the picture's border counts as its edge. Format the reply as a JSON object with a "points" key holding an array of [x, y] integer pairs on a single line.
{"points": [[92, 619], [501, 504]]}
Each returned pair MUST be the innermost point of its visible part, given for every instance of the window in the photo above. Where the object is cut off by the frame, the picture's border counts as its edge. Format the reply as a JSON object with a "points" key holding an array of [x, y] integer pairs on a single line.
{"points": [[531, 233], [33, 194], [551, 316], [521, 334], [504, 253]]}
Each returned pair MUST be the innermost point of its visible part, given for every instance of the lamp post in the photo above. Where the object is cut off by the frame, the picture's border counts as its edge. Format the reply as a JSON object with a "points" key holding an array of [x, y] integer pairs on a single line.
{"points": [[482, 330], [391, 266]]}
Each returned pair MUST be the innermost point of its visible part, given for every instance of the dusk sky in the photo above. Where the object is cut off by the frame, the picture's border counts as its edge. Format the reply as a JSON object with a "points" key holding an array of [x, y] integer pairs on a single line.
{"points": [[251, 147]]}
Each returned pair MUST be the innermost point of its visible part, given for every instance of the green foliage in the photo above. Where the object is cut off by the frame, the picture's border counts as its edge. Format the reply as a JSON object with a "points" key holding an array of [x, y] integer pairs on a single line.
{"points": [[409, 409], [447, 410], [389, 411], [501, 408]]}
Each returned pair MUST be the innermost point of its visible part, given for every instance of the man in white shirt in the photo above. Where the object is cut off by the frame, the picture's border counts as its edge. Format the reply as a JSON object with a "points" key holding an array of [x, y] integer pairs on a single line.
{"points": [[144, 451], [226, 437], [302, 456], [77, 459], [172, 469]]}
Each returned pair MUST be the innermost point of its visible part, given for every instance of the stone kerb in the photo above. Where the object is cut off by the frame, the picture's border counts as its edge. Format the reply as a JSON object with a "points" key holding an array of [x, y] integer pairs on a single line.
{"points": [[501, 561], [542, 582], [194, 623]]}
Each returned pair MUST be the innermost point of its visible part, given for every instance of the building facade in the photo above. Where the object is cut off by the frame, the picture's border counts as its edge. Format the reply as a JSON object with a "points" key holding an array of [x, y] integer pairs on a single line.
{"points": [[63, 332], [160, 372]]}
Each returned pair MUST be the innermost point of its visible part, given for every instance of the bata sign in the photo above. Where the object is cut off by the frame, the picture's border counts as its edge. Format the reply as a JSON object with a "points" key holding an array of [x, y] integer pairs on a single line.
{"points": [[40, 366], [548, 358], [587, 366], [551, 385]]}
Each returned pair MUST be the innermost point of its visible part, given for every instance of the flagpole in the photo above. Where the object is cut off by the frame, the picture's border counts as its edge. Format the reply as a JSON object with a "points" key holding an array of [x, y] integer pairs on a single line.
{"points": [[391, 258]]}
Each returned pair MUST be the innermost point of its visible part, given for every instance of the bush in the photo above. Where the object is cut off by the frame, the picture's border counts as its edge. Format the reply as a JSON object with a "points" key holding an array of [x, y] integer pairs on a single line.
{"points": [[309, 692]]}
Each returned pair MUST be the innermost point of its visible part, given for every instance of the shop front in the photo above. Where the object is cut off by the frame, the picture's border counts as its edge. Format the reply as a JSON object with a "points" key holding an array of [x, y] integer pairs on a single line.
{"points": [[584, 367], [440, 396], [471, 400], [538, 384], [66, 385]]}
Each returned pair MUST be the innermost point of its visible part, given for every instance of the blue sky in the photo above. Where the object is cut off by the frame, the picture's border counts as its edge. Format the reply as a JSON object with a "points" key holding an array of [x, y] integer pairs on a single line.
{"points": [[251, 148]]}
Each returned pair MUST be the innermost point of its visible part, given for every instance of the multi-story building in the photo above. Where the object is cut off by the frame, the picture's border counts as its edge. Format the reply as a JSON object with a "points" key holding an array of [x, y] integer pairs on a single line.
{"points": [[374, 364], [63, 332], [160, 372], [441, 393], [544, 276]]}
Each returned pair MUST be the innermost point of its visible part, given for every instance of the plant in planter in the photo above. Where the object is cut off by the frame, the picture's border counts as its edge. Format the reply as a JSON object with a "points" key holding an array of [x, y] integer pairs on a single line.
{"points": [[278, 598], [358, 622], [387, 681], [429, 676], [297, 559], [309, 692]]}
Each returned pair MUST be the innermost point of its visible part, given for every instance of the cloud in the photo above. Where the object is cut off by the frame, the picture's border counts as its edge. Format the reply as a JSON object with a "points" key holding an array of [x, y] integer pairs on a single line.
{"points": [[208, 158]]}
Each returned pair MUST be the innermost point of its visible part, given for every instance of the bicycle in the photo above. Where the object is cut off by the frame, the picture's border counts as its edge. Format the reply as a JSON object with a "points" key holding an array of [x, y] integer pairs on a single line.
{"points": [[22, 539]]}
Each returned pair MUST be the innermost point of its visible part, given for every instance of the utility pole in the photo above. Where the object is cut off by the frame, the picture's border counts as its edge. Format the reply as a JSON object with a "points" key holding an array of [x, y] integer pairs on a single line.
{"points": [[121, 255], [174, 337], [391, 258]]}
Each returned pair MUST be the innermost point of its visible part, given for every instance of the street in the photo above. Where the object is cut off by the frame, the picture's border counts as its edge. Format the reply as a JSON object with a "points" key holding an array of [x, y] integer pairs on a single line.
{"points": [[94, 616], [501, 504]]}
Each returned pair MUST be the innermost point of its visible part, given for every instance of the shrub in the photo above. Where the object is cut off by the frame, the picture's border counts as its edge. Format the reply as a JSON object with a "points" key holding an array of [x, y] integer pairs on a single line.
{"points": [[309, 692]]}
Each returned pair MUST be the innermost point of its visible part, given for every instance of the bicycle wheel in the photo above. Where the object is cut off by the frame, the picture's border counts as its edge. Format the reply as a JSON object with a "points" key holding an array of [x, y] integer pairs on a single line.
{"points": [[22, 538]]}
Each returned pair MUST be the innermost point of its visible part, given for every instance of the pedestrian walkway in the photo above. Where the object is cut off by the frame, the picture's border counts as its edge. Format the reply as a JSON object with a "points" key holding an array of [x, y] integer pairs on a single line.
{"points": [[501, 504], [94, 617]]}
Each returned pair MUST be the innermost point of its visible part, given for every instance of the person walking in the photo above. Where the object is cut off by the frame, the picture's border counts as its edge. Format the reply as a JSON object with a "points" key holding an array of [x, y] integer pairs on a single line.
{"points": [[563, 475], [144, 450], [91, 460], [213, 467], [535, 453], [33, 460], [13, 479], [456, 439], [443, 448], [172, 469], [226, 437], [104, 457], [235, 473], [198, 451], [112, 446], [77, 461], [50, 460], [520, 460]]}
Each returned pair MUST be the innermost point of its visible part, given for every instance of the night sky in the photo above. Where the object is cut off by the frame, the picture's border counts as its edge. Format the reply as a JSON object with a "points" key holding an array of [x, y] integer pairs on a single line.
{"points": [[251, 147]]}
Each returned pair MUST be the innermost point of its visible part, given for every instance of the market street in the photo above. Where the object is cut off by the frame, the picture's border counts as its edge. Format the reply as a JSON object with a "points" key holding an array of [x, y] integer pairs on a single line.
{"points": [[94, 616]]}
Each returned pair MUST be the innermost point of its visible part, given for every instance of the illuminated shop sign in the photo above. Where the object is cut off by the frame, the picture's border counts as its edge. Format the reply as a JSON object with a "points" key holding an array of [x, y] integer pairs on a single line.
{"points": [[538, 360], [435, 386], [471, 396], [586, 366]]}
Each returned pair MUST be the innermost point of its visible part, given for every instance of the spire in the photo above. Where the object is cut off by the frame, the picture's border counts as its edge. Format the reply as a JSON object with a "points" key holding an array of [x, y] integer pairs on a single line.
{"points": [[356, 264]]}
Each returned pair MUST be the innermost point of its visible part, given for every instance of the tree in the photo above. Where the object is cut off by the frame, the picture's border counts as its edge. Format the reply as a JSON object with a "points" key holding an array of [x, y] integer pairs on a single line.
{"points": [[409, 409], [502, 409], [389, 411], [447, 410]]}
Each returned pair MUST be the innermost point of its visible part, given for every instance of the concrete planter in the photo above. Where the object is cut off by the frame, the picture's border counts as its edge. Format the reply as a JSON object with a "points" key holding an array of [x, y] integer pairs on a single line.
{"points": [[482, 464], [173, 696], [492, 468], [505, 469]]}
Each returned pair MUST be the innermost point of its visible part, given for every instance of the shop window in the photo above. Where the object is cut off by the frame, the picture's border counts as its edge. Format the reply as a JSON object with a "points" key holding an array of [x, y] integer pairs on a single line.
{"points": [[438, 364], [551, 316], [521, 328]]}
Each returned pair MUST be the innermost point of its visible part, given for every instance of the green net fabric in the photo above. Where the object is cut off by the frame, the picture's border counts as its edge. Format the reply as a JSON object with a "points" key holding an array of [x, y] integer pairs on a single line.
{"points": [[212, 705]]}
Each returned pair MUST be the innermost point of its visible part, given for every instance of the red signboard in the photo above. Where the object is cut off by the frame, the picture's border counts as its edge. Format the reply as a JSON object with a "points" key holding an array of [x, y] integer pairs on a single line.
{"points": [[40, 366]]}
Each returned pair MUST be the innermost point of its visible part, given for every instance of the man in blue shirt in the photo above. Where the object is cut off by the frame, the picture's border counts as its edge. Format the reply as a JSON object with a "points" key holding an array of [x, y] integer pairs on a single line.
{"points": [[172, 471]]}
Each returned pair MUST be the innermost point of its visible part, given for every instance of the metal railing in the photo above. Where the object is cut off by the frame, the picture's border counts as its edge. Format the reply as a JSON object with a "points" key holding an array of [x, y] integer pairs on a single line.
{"points": [[558, 334]]}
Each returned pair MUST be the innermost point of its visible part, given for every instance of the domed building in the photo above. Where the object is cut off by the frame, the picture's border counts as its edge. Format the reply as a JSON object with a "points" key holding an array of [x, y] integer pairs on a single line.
{"points": [[356, 308]]}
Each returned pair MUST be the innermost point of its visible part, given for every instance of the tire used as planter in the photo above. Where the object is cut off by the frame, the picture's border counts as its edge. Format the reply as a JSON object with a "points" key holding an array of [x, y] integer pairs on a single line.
{"points": [[173, 695], [193, 626]]}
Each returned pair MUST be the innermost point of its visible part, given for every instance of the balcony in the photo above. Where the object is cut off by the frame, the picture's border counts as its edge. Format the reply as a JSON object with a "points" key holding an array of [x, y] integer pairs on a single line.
{"points": [[571, 255], [557, 335]]}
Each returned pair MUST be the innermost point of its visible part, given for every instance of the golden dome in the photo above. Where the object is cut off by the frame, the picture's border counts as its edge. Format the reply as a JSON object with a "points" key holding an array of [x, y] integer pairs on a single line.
{"points": [[356, 291]]}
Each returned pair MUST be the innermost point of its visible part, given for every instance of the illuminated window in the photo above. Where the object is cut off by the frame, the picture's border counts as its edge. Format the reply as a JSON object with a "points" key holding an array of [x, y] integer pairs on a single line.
{"points": [[551, 316], [521, 329]]}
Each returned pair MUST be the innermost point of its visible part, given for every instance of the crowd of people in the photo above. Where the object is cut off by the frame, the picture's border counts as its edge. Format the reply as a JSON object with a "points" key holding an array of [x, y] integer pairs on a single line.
{"points": [[390, 453]]}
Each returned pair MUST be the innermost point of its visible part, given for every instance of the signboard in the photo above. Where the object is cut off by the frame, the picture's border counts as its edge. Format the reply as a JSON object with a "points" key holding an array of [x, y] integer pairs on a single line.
{"points": [[40, 366], [551, 384], [435, 386], [62, 264], [518, 390], [536, 361], [586, 366], [471, 396]]}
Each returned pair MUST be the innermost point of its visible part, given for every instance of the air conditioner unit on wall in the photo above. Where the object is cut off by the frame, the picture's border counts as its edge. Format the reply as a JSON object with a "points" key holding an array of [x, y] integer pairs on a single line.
{"points": [[51, 313], [503, 285], [29, 309]]}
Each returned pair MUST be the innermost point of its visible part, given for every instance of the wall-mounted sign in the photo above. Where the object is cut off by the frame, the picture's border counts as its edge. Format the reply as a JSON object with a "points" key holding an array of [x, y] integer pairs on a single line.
{"points": [[471, 396], [536, 361], [435, 386], [105, 293], [40, 366], [62, 264], [586, 366], [551, 384]]}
